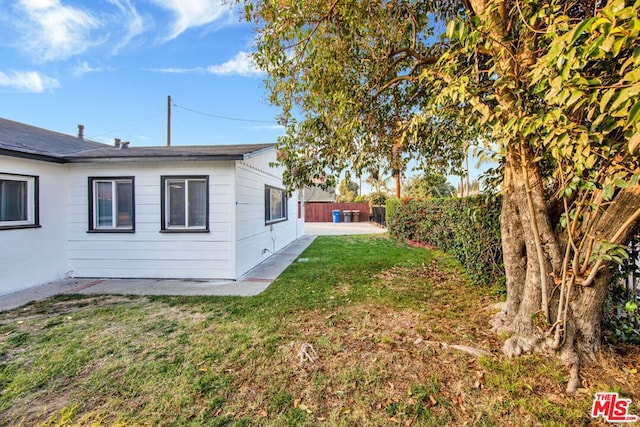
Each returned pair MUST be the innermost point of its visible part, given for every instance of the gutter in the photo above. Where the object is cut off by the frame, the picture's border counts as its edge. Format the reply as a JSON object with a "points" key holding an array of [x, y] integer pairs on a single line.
{"points": [[33, 156], [152, 159]]}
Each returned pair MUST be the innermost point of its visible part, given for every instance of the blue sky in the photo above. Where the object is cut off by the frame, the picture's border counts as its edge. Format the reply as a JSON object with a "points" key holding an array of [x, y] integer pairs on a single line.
{"points": [[110, 65]]}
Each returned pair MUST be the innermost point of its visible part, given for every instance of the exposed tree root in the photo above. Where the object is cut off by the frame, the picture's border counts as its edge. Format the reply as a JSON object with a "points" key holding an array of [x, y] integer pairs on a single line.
{"points": [[518, 345], [570, 358], [499, 320], [477, 352]]}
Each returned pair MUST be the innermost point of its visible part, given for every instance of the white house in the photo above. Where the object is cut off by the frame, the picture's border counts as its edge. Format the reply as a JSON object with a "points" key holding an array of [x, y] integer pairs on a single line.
{"points": [[70, 207]]}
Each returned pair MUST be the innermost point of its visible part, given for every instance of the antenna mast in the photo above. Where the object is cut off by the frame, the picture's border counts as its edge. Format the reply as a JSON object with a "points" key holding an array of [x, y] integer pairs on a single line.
{"points": [[169, 121]]}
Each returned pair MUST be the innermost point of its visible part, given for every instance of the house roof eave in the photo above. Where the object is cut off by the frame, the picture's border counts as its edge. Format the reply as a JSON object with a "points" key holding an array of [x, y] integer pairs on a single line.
{"points": [[151, 159], [32, 156]]}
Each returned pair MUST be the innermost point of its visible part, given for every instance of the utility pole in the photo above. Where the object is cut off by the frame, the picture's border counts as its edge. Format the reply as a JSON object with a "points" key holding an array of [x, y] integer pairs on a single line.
{"points": [[169, 121]]}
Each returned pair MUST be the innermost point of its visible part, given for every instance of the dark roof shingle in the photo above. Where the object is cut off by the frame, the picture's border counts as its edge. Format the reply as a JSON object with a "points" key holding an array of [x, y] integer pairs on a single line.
{"points": [[25, 139], [21, 140]]}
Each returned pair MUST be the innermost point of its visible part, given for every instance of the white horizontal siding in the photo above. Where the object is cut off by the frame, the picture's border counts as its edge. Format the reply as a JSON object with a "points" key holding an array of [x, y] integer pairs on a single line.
{"points": [[148, 252], [253, 235]]}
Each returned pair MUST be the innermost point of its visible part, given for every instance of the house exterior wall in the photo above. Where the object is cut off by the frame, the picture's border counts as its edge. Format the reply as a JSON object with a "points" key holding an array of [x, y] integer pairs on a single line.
{"points": [[238, 237], [256, 240], [148, 253], [33, 256]]}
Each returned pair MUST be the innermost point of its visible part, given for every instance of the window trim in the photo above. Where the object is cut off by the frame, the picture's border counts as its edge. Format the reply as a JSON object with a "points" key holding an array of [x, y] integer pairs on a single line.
{"points": [[164, 226], [267, 205], [33, 201], [93, 228]]}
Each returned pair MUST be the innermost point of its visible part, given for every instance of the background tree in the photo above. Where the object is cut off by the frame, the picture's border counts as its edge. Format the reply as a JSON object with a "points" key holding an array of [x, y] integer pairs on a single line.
{"points": [[377, 180], [348, 191], [554, 83], [468, 188], [428, 185]]}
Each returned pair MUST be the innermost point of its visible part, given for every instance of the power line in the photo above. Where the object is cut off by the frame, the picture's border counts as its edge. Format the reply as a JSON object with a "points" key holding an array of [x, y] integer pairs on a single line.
{"points": [[129, 126], [236, 119], [163, 111]]}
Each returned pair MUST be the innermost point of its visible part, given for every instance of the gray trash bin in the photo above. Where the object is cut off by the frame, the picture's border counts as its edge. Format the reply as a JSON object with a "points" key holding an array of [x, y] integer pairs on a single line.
{"points": [[347, 216], [355, 216]]}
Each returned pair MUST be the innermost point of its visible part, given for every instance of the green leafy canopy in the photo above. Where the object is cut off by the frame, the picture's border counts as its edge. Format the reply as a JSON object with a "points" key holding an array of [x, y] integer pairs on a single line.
{"points": [[345, 75]]}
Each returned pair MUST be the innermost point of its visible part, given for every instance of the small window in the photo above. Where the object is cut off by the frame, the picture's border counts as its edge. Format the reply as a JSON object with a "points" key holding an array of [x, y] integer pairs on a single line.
{"points": [[18, 201], [275, 205], [185, 203], [111, 205]]}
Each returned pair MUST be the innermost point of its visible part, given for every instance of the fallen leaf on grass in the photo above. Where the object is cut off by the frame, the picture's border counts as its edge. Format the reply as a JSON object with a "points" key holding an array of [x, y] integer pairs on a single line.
{"points": [[305, 408], [555, 399]]}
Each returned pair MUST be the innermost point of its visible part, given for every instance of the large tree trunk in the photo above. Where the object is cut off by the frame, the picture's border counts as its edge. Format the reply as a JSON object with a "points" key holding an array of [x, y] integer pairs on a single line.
{"points": [[564, 315], [513, 249]]}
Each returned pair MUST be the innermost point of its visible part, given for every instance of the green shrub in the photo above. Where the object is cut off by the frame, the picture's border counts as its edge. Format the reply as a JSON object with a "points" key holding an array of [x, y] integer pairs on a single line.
{"points": [[361, 198], [376, 199], [467, 228]]}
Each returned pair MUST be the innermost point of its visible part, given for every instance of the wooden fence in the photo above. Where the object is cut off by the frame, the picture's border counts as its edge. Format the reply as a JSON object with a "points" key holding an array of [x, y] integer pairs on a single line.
{"points": [[322, 212]]}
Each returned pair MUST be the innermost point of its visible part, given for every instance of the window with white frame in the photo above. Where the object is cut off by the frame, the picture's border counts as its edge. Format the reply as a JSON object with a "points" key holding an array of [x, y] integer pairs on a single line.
{"points": [[275, 200], [111, 204], [185, 203], [18, 201]]}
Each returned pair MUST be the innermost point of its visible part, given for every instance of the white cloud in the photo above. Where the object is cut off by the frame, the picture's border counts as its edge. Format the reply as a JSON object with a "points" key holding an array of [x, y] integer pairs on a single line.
{"points": [[278, 128], [242, 64], [193, 13], [56, 31], [85, 68], [28, 81], [198, 70], [134, 23]]}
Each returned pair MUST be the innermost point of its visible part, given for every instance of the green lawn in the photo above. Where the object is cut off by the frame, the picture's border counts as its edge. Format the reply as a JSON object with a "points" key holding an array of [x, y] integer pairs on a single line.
{"points": [[368, 312]]}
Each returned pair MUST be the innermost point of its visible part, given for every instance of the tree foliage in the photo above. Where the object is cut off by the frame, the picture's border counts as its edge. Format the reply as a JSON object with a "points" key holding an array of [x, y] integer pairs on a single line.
{"points": [[345, 75], [348, 191], [427, 186], [377, 181]]}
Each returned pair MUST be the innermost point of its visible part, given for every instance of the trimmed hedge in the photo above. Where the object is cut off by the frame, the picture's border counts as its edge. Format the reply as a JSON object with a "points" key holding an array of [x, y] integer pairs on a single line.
{"points": [[467, 228]]}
